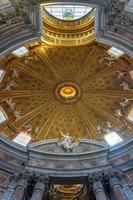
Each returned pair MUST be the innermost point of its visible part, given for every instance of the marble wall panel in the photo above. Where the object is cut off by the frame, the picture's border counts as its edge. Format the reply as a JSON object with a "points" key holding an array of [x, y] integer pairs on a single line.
{"points": [[129, 177]]}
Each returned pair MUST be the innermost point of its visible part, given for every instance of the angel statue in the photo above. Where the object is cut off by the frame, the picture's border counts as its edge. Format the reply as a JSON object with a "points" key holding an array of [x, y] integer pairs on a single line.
{"points": [[66, 142]]}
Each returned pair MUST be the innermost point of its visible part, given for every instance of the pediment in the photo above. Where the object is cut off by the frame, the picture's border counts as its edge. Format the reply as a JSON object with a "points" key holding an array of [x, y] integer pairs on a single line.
{"points": [[81, 146]]}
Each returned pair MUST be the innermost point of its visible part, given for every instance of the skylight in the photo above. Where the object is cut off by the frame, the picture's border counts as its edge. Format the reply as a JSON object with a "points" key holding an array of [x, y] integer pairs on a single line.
{"points": [[22, 51], [115, 52], [22, 139], [2, 115], [130, 116], [112, 138], [68, 12], [1, 74]]}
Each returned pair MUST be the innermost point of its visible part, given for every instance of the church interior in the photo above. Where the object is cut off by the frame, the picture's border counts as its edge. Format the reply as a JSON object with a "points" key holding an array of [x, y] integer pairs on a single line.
{"points": [[66, 100]]}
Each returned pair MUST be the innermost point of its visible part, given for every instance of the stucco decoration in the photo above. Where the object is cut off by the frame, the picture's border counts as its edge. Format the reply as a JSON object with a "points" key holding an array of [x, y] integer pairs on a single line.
{"points": [[117, 14], [14, 14]]}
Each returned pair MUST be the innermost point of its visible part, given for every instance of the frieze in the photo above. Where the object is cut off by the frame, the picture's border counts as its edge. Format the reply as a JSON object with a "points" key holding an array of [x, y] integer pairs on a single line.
{"points": [[42, 160]]}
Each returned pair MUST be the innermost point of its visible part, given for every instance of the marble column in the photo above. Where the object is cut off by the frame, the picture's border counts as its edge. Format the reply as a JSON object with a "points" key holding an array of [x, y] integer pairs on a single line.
{"points": [[21, 188], [117, 188], [99, 190], [97, 187], [40, 188]]}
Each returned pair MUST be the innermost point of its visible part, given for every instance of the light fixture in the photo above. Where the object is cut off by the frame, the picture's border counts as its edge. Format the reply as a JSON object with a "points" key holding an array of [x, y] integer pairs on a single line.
{"points": [[22, 139], [112, 138], [22, 51], [113, 51]]}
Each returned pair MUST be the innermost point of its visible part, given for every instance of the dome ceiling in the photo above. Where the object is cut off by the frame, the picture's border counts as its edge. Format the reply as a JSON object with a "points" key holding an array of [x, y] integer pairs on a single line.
{"points": [[68, 12], [57, 32], [73, 90]]}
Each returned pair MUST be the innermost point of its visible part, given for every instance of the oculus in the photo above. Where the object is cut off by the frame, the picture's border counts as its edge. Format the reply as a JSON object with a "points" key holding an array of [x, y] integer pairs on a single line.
{"points": [[68, 12], [67, 92]]}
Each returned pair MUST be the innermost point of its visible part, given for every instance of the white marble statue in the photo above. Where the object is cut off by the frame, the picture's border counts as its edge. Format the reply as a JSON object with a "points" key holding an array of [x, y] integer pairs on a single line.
{"points": [[104, 130], [125, 86], [121, 74], [118, 113], [66, 142], [10, 84], [28, 127], [108, 58], [17, 114], [124, 102], [10, 102], [15, 74]]}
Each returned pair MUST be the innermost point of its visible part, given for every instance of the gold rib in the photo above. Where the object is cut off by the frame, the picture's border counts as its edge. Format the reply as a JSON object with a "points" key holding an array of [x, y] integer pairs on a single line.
{"points": [[30, 115], [88, 61], [111, 93], [41, 53], [27, 70], [20, 93], [43, 133], [106, 71], [89, 126], [106, 116]]}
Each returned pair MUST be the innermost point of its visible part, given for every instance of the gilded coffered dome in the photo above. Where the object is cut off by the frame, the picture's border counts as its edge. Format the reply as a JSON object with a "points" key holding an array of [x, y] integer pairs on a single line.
{"points": [[66, 99], [78, 90], [67, 83]]}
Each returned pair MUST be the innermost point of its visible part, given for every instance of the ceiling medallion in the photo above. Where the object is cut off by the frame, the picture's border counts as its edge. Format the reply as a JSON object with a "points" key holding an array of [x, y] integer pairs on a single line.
{"points": [[68, 92]]}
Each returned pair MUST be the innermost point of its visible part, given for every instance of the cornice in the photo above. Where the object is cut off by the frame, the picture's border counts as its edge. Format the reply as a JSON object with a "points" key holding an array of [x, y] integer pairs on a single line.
{"points": [[78, 164]]}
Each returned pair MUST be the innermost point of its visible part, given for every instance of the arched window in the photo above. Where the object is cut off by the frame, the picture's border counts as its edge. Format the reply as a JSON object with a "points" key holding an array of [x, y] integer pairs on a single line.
{"points": [[22, 51], [130, 115], [3, 116], [22, 139], [112, 138], [113, 51], [2, 72]]}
